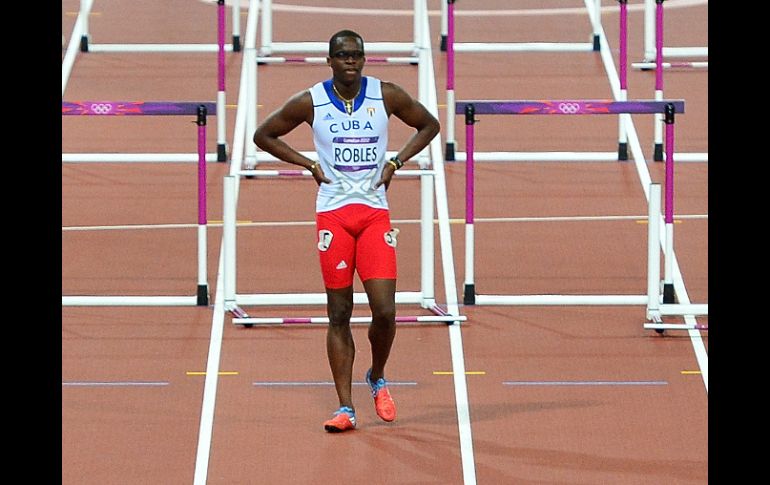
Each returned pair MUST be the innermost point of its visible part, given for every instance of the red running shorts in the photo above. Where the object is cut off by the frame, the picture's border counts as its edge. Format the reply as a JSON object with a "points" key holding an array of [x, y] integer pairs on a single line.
{"points": [[353, 238]]}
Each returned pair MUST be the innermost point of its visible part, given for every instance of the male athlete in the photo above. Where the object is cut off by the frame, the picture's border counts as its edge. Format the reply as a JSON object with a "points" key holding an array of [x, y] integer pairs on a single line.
{"points": [[349, 116]]}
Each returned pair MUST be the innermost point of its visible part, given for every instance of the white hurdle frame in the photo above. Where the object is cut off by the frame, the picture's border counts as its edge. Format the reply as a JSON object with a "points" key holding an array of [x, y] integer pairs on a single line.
{"points": [[268, 46], [202, 292], [432, 182], [81, 32], [658, 291], [593, 7]]}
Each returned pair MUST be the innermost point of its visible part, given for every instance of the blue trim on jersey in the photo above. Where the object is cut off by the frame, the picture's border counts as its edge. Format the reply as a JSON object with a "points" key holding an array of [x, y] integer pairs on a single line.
{"points": [[337, 102]]}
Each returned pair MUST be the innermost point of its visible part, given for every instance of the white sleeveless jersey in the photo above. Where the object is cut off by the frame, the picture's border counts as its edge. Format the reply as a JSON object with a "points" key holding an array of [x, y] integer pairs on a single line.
{"points": [[351, 148]]}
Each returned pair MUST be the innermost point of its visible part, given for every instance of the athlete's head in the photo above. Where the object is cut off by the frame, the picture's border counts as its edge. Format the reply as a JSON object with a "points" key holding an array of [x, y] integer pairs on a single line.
{"points": [[337, 40], [346, 57]]}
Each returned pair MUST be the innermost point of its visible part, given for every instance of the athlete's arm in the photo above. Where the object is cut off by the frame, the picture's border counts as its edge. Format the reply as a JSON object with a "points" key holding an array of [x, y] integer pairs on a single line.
{"points": [[399, 103], [298, 109]]}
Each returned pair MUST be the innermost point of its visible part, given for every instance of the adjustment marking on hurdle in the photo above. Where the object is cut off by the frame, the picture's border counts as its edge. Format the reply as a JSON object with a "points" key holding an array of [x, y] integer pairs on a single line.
{"points": [[317, 320], [322, 60]]}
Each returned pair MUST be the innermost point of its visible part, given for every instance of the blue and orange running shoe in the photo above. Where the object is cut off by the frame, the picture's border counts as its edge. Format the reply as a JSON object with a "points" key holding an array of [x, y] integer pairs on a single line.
{"points": [[343, 420], [383, 403]]}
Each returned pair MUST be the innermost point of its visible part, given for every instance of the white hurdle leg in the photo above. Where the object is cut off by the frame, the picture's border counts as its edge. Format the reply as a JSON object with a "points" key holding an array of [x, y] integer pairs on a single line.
{"points": [[266, 46], [653, 254]]}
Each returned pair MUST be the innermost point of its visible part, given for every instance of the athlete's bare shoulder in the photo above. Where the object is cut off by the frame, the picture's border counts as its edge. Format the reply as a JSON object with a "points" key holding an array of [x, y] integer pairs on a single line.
{"points": [[299, 106], [395, 97]]}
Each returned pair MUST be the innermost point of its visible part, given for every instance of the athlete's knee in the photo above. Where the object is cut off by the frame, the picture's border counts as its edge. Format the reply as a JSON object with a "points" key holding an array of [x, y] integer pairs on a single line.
{"points": [[339, 313], [383, 313]]}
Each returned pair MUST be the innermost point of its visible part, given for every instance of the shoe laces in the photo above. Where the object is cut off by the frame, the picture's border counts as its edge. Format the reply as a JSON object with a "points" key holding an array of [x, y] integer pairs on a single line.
{"points": [[346, 410], [376, 386]]}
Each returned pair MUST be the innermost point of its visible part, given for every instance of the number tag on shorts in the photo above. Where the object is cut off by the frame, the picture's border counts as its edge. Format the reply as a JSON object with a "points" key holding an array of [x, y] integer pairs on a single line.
{"points": [[391, 237], [324, 239]]}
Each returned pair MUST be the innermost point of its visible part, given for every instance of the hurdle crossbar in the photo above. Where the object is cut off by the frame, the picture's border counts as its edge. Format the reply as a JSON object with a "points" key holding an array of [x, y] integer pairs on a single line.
{"points": [[132, 108]]}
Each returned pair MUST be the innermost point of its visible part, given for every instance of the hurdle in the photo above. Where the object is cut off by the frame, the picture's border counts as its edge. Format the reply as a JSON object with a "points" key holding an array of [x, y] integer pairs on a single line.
{"points": [[471, 108], [593, 8], [658, 55], [253, 157], [654, 24], [130, 108], [268, 46], [81, 32], [432, 183]]}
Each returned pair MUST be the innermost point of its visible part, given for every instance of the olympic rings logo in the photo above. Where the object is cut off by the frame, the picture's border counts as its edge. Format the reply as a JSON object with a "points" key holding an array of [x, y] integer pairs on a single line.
{"points": [[569, 108], [101, 108]]}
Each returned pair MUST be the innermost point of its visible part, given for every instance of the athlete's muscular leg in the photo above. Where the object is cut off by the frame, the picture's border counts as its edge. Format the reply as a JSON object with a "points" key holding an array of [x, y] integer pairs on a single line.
{"points": [[340, 347], [382, 301]]}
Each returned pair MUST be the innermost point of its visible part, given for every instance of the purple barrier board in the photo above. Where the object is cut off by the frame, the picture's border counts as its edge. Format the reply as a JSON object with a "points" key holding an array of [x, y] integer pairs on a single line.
{"points": [[568, 107], [127, 108]]}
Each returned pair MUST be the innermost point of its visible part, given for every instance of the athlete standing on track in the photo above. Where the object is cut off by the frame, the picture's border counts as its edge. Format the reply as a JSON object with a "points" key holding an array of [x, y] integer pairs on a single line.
{"points": [[349, 116]]}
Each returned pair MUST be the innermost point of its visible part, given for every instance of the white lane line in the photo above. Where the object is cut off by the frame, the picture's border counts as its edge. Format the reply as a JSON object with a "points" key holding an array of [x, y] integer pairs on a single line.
{"points": [[212, 377], [461, 405]]}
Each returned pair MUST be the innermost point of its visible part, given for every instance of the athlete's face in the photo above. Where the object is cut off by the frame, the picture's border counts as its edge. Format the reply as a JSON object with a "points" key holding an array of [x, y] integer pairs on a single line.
{"points": [[347, 59]]}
